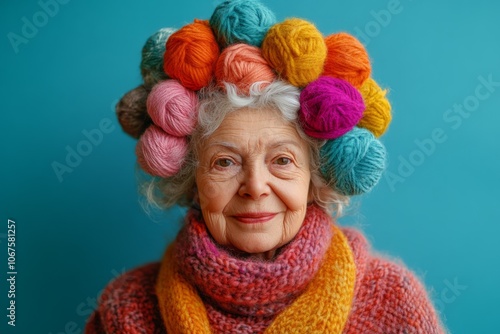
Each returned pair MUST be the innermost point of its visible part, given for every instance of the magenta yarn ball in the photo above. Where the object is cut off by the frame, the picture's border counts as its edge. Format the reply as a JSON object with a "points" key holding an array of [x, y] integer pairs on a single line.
{"points": [[329, 108], [173, 108], [159, 153]]}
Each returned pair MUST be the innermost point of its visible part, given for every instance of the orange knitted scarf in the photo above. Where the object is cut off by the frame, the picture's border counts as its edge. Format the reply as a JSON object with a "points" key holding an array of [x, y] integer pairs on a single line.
{"points": [[322, 308]]}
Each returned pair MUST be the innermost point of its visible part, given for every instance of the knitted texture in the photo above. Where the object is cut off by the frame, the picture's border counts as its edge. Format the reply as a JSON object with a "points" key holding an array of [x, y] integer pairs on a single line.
{"points": [[256, 291], [324, 307], [296, 50], [388, 298], [186, 313], [128, 305]]}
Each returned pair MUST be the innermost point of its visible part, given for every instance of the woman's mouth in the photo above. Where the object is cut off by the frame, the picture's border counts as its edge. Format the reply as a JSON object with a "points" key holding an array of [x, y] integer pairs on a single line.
{"points": [[254, 217]]}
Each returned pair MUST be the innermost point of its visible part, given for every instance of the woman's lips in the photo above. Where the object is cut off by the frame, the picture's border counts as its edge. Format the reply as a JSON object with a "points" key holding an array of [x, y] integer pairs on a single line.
{"points": [[254, 217]]}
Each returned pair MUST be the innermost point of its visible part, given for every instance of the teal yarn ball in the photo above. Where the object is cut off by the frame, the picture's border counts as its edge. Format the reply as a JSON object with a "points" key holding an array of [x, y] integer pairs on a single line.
{"points": [[241, 21], [353, 163], [152, 57]]}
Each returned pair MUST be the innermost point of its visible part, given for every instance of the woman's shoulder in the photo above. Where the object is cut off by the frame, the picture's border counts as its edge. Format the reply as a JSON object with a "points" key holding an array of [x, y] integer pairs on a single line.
{"points": [[388, 295], [128, 303]]}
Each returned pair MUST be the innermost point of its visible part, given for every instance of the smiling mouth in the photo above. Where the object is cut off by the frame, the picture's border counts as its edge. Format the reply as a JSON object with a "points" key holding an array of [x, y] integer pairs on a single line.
{"points": [[254, 217]]}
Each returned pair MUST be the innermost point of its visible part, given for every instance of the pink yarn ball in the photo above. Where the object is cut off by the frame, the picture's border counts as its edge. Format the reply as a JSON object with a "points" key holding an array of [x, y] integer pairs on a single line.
{"points": [[329, 108], [159, 153], [243, 65], [173, 107]]}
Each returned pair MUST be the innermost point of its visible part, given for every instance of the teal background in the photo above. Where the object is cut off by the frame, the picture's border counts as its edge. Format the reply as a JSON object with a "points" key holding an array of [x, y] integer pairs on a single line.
{"points": [[442, 219]]}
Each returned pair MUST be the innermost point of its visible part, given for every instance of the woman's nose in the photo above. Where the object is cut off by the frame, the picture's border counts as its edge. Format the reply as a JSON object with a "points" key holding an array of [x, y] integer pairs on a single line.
{"points": [[255, 183]]}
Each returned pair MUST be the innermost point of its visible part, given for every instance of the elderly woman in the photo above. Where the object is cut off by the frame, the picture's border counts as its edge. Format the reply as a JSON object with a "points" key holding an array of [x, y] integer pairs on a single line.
{"points": [[259, 251]]}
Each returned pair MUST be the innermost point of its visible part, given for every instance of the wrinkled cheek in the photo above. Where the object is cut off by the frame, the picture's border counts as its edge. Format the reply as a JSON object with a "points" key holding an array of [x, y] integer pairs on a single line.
{"points": [[297, 203], [217, 226], [217, 195], [213, 198], [310, 196], [208, 192]]}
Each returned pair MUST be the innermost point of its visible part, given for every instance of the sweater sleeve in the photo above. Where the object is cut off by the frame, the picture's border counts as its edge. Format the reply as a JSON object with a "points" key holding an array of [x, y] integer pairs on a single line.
{"points": [[391, 300], [94, 325], [129, 305]]}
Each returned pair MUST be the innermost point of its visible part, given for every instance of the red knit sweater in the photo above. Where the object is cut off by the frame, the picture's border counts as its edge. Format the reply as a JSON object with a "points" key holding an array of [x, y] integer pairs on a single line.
{"points": [[389, 299]]}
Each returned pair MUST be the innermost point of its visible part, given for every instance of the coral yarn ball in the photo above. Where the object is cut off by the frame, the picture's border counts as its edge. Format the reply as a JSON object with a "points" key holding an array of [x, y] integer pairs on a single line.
{"points": [[329, 108], [353, 163], [296, 50], [132, 113], [241, 21], [347, 59], [173, 108], [191, 54], [243, 65], [377, 115], [152, 57], [159, 153]]}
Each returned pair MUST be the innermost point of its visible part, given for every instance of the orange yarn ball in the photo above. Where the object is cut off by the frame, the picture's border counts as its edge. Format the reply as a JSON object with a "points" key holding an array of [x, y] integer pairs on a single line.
{"points": [[191, 54], [347, 59], [243, 65], [296, 50]]}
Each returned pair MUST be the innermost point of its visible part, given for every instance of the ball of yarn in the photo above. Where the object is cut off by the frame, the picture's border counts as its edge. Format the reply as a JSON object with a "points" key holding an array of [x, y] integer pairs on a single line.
{"points": [[152, 57], [377, 115], [132, 113], [159, 153], [353, 163], [173, 108], [296, 50], [243, 65], [246, 21], [347, 59], [191, 54], [329, 107]]}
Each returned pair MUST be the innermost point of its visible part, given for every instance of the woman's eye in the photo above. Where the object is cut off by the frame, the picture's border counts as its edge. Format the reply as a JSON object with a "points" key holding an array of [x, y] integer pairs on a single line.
{"points": [[223, 162], [283, 161]]}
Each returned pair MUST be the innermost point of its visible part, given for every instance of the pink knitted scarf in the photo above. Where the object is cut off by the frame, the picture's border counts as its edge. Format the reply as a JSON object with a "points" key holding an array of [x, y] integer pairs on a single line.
{"points": [[246, 294]]}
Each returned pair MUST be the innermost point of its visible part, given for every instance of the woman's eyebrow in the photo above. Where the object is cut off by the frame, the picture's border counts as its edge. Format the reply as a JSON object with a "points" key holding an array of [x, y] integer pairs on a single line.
{"points": [[273, 144], [284, 143], [269, 145], [223, 144]]}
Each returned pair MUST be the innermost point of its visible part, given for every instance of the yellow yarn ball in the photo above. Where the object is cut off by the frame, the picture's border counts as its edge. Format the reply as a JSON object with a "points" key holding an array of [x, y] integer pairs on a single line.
{"points": [[296, 50], [377, 114]]}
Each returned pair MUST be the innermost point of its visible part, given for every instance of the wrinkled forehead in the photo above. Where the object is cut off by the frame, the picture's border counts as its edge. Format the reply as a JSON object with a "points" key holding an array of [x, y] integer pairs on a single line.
{"points": [[260, 128]]}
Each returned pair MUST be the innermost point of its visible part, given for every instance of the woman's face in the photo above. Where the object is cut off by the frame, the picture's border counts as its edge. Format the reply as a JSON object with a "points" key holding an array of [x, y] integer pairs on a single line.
{"points": [[253, 181]]}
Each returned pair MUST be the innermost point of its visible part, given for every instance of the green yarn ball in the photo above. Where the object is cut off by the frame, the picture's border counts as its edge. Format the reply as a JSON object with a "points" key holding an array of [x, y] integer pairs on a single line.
{"points": [[241, 21], [152, 57]]}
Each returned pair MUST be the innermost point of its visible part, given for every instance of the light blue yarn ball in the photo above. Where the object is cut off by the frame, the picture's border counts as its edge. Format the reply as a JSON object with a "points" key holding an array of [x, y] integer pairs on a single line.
{"points": [[241, 21], [353, 163], [152, 57]]}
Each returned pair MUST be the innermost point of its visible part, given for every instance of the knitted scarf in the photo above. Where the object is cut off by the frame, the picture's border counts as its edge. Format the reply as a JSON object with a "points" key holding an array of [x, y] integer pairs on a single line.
{"points": [[307, 287]]}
